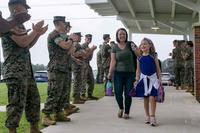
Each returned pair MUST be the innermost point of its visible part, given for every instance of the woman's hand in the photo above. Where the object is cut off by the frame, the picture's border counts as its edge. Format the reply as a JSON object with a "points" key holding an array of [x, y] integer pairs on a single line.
{"points": [[109, 75]]}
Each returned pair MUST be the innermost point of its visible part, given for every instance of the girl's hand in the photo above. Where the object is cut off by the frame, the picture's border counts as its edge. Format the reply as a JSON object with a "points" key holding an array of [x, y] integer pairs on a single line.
{"points": [[159, 81], [135, 83]]}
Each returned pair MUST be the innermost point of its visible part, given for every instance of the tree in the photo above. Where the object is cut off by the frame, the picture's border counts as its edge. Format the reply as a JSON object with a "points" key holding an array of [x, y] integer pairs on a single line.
{"points": [[38, 67]]}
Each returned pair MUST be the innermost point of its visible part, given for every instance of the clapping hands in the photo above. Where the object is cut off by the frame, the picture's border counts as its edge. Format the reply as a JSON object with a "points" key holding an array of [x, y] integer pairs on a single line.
{"points": [[39, 27], [94, 47]]}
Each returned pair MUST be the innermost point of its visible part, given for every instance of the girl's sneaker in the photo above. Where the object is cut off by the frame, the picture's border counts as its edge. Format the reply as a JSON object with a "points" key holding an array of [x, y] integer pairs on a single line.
{"points": [[147, 120], [153, 121]]}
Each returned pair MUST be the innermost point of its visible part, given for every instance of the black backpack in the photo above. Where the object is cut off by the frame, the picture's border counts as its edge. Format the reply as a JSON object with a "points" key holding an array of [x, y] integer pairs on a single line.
{"points": [[134, 56]]}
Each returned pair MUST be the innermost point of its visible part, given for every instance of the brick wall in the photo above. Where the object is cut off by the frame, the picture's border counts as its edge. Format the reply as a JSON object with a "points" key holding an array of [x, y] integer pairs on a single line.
{"points": [[197, 61]]}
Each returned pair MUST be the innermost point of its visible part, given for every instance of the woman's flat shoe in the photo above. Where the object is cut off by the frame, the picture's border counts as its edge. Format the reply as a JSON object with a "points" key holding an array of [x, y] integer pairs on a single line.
{"points": [[120, 113], [126, 116]]}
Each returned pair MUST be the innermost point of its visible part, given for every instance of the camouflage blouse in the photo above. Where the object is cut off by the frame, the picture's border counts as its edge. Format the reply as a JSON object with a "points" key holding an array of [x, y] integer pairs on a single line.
{"points": [[17, 63], [106, 55], [59, 58]]}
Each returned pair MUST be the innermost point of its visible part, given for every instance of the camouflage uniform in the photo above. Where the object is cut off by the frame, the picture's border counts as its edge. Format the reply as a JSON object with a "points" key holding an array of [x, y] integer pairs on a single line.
{"points": [[100, 72], [106, 57], [69, 80], [188, 78], [183, 49], [89, 76], [178, 65], [69, 72], [22, 89], [79, 72], [58, 74]]}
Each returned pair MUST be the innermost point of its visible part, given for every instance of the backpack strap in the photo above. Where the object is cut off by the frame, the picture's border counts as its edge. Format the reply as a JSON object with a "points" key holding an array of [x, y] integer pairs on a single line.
{"points": [[133, 53]]}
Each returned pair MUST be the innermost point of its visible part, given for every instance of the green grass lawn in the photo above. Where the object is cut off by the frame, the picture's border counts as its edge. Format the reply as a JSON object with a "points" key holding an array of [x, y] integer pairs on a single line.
{"points": [[24, 125], [3, 93], [99, 92]]}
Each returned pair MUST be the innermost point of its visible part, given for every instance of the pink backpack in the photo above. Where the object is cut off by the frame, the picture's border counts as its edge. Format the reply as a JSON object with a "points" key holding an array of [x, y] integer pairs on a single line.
{"points": [[161, 94]]}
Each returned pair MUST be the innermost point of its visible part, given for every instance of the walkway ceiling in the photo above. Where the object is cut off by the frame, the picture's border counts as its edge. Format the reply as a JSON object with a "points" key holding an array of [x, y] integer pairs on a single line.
{"points": [[151, 16]]}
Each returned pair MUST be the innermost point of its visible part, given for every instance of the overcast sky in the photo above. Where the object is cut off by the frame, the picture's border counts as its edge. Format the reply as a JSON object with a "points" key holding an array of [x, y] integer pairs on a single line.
{"points": [[82, 19]]}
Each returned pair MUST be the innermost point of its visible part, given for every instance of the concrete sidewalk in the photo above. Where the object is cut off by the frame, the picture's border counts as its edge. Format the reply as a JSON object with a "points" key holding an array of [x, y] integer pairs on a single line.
{"points": [[180, 113]]}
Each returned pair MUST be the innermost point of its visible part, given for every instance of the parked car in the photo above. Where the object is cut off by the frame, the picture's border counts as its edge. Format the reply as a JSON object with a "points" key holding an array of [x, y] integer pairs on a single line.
{"points": [[166, 79], [41, 76]]}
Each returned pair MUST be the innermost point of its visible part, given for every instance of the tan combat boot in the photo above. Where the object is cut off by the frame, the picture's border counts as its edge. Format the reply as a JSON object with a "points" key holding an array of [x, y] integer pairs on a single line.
{"points": [[72, 106], [187, 88], [182, 87], [61, 117], [177, 87], [34, 128], [77, 100], [90, 97], [191, 89], [83, 98], [47, 121], [12, 130], [68, 111]]}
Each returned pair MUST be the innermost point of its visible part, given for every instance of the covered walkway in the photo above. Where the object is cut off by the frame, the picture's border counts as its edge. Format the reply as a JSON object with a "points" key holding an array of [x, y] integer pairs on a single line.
{"points": [[180, 113], [174, 17]]}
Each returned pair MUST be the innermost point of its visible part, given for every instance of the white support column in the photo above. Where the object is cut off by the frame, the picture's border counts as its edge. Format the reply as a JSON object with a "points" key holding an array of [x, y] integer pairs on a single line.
{"points": [[199, 16], [191, 36], [129, 35], [185, 37]]}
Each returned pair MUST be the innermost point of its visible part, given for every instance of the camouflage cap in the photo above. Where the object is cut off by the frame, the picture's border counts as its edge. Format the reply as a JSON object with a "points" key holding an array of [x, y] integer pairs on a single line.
{"points": [[23, 2], [88, 35], [78, 34], [67, 24], [59, 18], [105, 36]]}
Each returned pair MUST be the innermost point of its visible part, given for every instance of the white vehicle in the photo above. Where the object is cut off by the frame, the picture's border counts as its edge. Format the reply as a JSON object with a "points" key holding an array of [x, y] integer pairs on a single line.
{"points": [[166, 79]]}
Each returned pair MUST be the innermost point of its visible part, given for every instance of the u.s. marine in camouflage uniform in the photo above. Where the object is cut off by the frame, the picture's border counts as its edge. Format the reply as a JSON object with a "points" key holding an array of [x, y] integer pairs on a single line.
{"points": [[79, 69], [17, 71], [68, 107], [106, 54], [100, 72], [189, 69], [89, 75], [178, 63], [59, 55], [183, 45]]}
